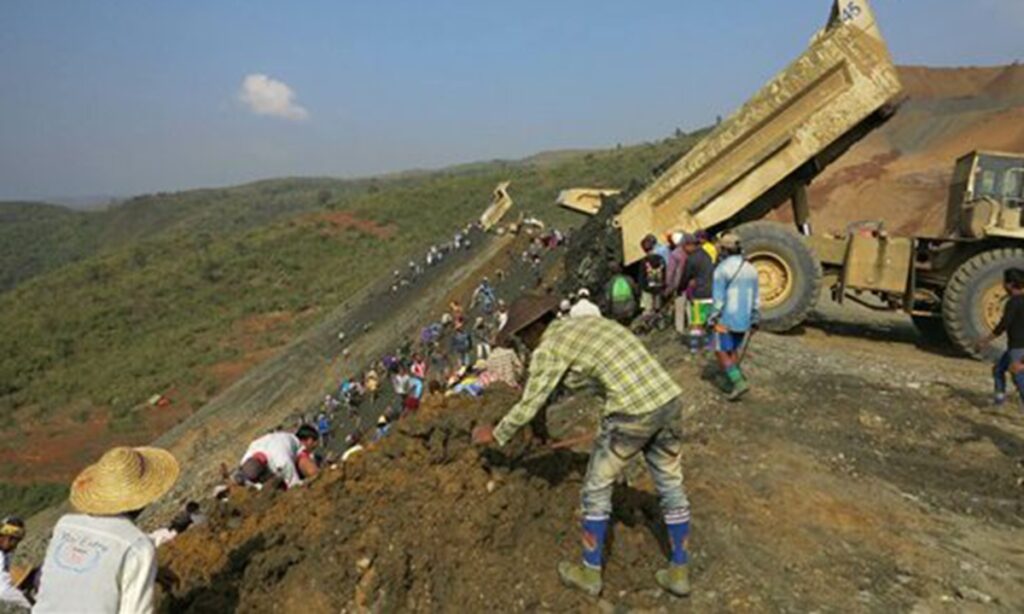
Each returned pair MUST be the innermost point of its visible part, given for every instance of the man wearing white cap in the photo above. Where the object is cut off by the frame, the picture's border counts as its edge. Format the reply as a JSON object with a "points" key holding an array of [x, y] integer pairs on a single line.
{"points": [[584, 307], [98, 560]]}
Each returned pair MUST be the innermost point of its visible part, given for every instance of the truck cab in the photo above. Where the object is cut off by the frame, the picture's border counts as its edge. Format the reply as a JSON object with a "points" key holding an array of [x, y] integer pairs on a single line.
{"points": [[986, 196]]}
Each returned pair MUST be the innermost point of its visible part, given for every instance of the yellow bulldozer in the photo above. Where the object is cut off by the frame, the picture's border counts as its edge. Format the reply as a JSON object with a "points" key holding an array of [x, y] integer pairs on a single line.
{"points": [[764, 156]]}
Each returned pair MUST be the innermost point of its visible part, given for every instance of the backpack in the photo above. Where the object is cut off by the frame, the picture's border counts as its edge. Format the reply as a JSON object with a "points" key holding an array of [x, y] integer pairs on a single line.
{"points": [[623, 301], [621, 290]]}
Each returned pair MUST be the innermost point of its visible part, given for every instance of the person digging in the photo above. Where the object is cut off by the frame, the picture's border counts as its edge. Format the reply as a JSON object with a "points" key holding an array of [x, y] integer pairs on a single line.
{"points": [[640, 416]]}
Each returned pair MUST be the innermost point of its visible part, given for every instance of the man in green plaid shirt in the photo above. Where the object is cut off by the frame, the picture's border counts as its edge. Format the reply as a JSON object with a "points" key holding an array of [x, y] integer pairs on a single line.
{"points": [[641, 415]]}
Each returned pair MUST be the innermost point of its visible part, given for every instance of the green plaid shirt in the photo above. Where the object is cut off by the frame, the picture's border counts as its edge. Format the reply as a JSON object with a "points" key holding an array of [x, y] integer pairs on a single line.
{"points": [[591, 351]]}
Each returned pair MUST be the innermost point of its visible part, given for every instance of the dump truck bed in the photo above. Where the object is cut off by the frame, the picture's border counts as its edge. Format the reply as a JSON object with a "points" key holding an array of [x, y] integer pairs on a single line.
{"points": [[843, 78], [501, 202]]}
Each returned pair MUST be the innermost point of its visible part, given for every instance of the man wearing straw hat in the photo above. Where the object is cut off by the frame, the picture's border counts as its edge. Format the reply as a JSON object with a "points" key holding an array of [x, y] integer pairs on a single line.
{"points": [[12, 531], [98, 560]]}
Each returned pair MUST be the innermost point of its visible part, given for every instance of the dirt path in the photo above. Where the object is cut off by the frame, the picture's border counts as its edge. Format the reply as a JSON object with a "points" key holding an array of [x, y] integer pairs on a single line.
{"points": [[859, 475]]}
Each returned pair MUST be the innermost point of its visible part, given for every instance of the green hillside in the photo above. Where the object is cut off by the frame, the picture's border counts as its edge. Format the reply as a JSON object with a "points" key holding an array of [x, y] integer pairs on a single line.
{"points": [[182, 286], [37, 237]]}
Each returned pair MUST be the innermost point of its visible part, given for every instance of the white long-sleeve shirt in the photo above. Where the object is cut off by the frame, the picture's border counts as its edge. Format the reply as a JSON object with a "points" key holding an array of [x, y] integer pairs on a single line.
{"points": [[8, 592], [97, 564], [281, 451]]}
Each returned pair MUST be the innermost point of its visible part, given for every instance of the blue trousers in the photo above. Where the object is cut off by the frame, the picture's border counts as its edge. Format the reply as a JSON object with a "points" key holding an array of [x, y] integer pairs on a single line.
{"points": [[1008, 358]]}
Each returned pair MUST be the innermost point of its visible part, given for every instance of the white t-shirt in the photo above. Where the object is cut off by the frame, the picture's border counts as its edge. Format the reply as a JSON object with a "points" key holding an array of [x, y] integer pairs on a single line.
{"points": [[280, 450], [400, 383], [97, 564]]}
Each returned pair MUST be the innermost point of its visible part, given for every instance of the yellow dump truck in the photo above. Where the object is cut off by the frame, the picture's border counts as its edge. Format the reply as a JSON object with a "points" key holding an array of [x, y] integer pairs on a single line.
{"points": [[501, 202], [763, 157]]}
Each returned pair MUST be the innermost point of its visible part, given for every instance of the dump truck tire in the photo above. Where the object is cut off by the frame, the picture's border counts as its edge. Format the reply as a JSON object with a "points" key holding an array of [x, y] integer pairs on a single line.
{"points": [[932, 329], [789, 274], [974, 298]]}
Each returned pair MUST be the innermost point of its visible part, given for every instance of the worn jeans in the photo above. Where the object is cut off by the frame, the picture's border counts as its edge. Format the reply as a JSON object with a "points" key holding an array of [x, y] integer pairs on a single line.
{"points": [[1008, 358], [620, 439]]}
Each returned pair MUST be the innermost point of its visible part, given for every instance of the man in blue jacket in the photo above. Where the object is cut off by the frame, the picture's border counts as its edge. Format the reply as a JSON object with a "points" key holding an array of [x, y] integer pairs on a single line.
{"points": [[734, 311]]}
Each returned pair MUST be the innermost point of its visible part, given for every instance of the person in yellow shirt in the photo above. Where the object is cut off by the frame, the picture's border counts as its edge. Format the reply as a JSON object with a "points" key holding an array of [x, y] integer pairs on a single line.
{"points": [[707, 245]]}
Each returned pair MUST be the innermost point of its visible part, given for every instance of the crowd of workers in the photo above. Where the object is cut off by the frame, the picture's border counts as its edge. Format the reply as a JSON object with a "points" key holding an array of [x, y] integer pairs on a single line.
{"points": [[707, 290], [463, 352]]}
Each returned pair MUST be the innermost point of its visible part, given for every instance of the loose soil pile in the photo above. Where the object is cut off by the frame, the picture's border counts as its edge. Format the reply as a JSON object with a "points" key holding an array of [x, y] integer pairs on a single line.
{"points": [[420, 521]]}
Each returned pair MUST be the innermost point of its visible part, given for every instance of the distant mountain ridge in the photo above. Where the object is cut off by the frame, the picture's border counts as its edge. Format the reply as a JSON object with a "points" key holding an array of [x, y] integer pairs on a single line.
{"points": [[36, 237]]}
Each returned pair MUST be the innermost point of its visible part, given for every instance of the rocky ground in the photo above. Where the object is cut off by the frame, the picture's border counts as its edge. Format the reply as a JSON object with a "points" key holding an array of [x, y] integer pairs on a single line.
{"points": [[863, 473]]}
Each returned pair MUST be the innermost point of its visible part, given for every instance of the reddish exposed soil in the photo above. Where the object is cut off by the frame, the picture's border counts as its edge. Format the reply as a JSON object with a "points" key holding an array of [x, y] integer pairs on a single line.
{"points": [[54, 452], [56, 449], [334, 222], [227, 372], [33, 451]]}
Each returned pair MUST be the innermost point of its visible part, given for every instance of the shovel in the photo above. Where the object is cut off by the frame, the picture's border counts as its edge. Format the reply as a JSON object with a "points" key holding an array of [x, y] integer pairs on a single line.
{"points": [[745, 345]]}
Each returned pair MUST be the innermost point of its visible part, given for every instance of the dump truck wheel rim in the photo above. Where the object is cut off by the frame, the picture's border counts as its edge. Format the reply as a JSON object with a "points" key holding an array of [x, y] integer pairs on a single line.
{"points": [[992, 300], [774, 278]]}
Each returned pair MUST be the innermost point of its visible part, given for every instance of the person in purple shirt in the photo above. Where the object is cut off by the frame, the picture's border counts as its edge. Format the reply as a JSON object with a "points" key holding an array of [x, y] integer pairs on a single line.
{"points": [[673, 292]]}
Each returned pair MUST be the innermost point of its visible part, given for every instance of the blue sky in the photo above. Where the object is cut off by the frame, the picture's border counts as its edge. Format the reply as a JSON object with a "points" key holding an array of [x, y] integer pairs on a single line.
{"points": [[104, 97]]}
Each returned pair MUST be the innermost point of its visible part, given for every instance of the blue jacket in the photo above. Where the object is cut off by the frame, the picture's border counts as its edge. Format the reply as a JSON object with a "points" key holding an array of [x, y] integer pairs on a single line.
{"points": [[735, 294]]}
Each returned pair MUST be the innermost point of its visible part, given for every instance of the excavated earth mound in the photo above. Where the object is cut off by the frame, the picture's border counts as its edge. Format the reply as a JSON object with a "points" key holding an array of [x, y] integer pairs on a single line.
{"points": [[420, 521], [900, 173]]}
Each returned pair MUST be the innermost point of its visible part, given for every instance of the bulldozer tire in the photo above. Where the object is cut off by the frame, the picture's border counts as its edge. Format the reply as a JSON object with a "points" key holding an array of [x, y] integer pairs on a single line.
{"points": [[932, 329], [789, 274], [974, 298]]}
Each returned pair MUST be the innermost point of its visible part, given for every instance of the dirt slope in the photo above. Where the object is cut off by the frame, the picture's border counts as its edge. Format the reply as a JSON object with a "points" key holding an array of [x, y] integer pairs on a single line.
{"points": [[860, 475], [863, 473], [900, 172]]}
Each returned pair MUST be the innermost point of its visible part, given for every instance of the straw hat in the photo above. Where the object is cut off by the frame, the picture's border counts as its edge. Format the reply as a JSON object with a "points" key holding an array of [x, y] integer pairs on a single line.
{"points": [[123, 480]]}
